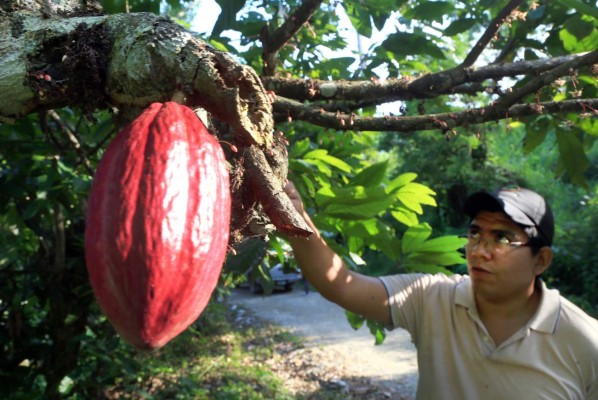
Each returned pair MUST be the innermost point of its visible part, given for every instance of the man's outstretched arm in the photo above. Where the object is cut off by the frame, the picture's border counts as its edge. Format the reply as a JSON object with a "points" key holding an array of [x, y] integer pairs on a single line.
{"points": [[325, 270]]}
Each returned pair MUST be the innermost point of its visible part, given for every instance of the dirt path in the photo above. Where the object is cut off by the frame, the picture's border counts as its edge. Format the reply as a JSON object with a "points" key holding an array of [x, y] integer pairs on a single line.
{"points": [[392, 365]]}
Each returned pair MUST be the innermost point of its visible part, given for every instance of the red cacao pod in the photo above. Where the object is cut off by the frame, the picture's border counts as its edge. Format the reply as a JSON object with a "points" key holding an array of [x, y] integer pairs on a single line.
{"points": [[157, 224]]}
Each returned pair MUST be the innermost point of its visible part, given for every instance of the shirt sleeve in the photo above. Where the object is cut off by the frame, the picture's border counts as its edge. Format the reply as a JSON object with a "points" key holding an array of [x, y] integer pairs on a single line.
{"points": [[409, 296]]}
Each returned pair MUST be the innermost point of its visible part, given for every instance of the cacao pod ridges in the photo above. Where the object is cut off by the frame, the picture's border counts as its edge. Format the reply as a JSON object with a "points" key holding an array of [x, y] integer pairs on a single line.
{"points": [[157, 224]]}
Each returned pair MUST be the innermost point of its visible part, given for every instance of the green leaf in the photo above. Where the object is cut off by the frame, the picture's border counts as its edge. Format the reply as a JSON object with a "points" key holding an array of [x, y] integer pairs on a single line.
{"points": [[413, 195], [414, 237], [459, 26], [581, 7], [426, 268], [364, 210], [403, 44], [371, 176], [354, 202], [401, 181], [443, 244], [538, 13], [219, 44], [228, 15], [251, 24], [535, 133], [390, 246], [299, 166], [355, 244], [356, 321], [572, 43], [337, 65], [325, 195], [578, 27], [34, 208], [377, 329], [262, 272], [404, 216], [445, 259], [572, 155], [299, 148], [362, 228], [320, 165], [348, 195], [66, 385], [360, 19], [430, 11], [248, 255], [322, 155], [277, 246]]}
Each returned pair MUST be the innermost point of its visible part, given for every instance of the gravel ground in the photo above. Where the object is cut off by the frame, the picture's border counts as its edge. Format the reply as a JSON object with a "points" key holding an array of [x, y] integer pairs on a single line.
{"points": [[333, 354]]}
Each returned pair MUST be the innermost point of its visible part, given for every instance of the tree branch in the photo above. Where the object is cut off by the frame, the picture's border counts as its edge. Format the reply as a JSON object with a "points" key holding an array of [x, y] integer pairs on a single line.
{"points": [[273, 42], [545, 79], [442, 121], [278, 207], [47, 9], [490, 32], [54, 63], [72, 139], [432, 85], [126, 62]]}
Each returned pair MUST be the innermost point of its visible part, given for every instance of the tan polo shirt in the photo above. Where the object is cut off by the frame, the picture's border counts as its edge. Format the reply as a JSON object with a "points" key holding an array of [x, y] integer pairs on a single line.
{"points": [[555, 356]]}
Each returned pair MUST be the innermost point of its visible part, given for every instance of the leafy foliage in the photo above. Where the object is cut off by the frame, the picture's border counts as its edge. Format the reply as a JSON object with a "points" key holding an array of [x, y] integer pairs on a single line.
{"points": [[45, 297], [362, 213]]}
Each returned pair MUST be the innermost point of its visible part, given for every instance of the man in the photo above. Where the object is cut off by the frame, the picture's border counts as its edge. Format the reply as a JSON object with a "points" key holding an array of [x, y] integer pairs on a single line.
{"points": [[497, 333]]}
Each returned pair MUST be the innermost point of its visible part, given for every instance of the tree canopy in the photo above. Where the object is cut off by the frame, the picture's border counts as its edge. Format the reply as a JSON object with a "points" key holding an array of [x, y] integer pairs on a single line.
{"points": [[384, 113]]}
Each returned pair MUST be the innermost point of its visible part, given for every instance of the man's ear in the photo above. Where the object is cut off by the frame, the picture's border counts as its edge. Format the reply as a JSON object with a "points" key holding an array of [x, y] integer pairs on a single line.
{"points": [[543, 260]]}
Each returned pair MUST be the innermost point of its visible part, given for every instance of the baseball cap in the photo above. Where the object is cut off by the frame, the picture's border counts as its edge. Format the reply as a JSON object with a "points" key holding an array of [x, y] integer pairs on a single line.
{"points": [[523, 206]]}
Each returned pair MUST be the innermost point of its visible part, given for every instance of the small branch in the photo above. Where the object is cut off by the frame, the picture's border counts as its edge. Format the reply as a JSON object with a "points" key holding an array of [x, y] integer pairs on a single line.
{"points": [[492, 30], [343, 122], [545, 79], [47, 131], [508, 48], [73, 140], [273, 42], [59, 242], [101, 143]]}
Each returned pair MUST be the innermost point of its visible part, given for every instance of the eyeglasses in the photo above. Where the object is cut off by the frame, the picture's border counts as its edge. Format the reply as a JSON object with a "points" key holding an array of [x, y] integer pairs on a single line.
{"points": [[498, 243]]}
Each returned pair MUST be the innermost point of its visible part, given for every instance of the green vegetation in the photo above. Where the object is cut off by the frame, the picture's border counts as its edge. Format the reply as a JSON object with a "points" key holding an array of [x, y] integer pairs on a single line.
{"points": [[387, 202], [215, 359], [212, 360]]}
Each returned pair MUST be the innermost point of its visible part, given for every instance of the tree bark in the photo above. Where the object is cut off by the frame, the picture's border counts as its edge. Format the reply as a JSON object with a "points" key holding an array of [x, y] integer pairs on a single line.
{"points": [[124, 62], [309, 100]]}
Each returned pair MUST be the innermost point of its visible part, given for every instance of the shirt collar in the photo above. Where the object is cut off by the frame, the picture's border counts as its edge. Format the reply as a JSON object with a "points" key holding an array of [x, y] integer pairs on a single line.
{"points": [[544, 320], [547, 316], [464, 294]]}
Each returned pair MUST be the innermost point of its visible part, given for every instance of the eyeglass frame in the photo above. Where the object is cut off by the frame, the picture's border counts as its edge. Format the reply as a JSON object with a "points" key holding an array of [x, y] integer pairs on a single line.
{"points": [[473, 243]]}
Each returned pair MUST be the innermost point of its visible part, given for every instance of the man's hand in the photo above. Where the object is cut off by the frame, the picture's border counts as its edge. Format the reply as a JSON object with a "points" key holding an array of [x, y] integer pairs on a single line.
{"points": [[295, 197]]}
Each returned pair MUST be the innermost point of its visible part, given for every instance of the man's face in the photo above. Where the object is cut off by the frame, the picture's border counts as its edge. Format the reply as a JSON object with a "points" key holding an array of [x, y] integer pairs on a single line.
{"points": [[499, 271]]}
